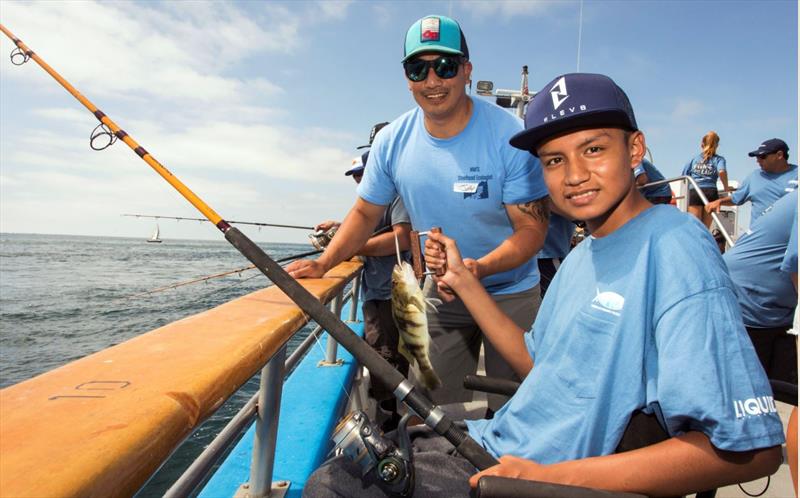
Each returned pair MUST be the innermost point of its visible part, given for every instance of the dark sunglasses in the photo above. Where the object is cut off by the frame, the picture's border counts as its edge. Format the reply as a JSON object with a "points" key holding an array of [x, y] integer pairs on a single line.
{"points": [[445, 67]]}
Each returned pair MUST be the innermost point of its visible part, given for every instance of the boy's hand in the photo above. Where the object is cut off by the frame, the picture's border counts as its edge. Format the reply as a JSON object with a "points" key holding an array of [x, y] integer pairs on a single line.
{"points": [[440, 252], [514, 467]]}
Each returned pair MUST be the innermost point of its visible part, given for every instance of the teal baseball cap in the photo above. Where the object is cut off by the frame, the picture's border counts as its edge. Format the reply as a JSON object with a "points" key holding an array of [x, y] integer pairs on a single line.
{"points": [[438, 34]]}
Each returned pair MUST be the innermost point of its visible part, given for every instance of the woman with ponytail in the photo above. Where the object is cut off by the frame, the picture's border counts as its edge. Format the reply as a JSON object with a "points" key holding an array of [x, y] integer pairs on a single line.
{"points": [[705, 168]]}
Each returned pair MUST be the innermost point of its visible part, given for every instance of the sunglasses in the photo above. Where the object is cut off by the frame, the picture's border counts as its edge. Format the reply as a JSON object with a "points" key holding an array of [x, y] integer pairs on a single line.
{"points": [[445, 67]]}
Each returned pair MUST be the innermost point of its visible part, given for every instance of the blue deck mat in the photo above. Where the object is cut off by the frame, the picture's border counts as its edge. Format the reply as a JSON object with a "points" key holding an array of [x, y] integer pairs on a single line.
{"points": [[313, 402]]}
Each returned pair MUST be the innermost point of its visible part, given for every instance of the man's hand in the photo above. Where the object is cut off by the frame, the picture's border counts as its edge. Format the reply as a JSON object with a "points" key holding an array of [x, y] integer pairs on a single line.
{"points": [[515, 468], [306, 268], [327, 225]]}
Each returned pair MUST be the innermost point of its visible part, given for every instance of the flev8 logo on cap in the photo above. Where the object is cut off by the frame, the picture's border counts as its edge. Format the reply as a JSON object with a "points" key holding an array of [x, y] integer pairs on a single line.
{"points": [[576, 100]]}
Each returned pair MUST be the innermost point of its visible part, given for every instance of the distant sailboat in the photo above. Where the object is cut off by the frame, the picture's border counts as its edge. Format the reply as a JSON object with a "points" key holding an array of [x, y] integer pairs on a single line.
{"points": [[154, 238]]}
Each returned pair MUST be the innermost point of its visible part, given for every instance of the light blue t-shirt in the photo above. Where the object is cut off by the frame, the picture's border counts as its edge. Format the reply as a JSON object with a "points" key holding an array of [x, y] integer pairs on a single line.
{"points": [[559, 237], [789, 263], [705, 173], [763, 189], [460, 184], [653, 175], [376, 282], [643, 318], [766, 294]]}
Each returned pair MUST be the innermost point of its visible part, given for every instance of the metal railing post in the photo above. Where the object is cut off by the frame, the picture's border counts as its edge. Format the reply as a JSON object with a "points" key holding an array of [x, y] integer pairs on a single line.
{"points": [[355, 291], [332, 345], [269, 408]]}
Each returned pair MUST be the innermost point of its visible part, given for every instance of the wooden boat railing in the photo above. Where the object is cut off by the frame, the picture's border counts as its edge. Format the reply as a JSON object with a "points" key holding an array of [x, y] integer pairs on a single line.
{"points": [[103, 424]]}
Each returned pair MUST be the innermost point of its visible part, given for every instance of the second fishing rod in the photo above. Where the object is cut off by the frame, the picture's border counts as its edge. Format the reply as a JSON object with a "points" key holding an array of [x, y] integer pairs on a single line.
{"points": [[383, 372]]}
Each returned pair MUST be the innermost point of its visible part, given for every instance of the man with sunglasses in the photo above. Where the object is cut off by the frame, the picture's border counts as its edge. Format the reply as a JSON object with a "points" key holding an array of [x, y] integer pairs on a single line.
{"points": [[450, 161], [775, 178]]}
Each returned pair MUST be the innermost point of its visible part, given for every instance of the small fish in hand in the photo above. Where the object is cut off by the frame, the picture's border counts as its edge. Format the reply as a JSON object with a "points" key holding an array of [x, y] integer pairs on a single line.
{"points": [[408, 310]]}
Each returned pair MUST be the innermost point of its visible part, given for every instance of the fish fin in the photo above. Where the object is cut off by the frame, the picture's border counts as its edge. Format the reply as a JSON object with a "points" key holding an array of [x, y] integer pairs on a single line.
{"points": [[430, 379], [403, 350], [433, 303]]}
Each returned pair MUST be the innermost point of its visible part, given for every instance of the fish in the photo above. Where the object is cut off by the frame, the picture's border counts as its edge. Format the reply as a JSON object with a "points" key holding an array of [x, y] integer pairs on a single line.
{"points": [[408, 311]]}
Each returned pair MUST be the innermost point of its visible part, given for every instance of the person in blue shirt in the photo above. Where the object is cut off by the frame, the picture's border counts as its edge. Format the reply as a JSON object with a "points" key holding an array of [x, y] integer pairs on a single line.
{"points": [[705, 168], [380, 330], [642, 316], [556, 247], [766, 294], [646, 173], [450, 161], [774, 179]]}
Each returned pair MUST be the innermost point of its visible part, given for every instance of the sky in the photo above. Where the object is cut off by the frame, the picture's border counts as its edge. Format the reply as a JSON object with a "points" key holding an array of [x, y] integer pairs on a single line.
{"points": [[259, 106]]}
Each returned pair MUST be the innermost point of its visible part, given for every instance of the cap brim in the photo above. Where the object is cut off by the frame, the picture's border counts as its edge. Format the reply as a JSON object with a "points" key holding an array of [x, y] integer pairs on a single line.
{"points": [[353, 171], [432, 49], [363, 146], [531, 138], [758, 153]]}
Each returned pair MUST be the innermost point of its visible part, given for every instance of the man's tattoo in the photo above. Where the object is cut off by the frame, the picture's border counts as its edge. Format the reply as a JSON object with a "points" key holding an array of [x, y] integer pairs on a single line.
{"points": [[539, 209]]}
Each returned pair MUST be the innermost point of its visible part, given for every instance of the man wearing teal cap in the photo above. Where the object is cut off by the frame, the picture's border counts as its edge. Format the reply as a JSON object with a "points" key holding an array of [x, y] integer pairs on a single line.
{"points": [[450, 161]]}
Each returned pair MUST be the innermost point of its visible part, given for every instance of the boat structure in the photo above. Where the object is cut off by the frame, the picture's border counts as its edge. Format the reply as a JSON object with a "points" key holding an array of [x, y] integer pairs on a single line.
{"points": [[104, 424], [154, 238]]}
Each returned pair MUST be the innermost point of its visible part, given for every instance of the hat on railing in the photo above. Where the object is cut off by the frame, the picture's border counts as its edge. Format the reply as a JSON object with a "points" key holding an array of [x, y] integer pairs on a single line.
{"points": [[374, 131]]}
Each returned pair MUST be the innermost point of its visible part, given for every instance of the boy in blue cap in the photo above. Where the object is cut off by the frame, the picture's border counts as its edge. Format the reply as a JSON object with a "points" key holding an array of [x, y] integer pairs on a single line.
{"points": [[640, 317]]}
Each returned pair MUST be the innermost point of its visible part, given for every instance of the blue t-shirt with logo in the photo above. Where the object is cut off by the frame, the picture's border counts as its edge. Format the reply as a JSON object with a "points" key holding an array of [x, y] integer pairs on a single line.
{"points": [[643, 318], [705, 173], [376, 282], [766, 294], [559, 237], [653, 175], [763, 189], [461, 184]]}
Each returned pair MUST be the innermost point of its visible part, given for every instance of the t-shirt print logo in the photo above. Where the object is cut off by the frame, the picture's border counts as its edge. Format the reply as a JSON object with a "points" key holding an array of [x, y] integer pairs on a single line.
{"points": [[608, 302], [481, 192]]}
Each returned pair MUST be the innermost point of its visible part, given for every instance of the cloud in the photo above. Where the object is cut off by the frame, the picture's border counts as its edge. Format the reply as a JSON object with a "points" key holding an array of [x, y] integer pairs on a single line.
{"points": [[687, 108], [506, 9]]}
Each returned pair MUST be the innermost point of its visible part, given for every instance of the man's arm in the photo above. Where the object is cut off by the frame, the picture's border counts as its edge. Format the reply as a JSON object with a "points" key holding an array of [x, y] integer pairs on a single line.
{"points": [[501, 331], [383, 244], [351, 236], [529, 221], [678, 466]]}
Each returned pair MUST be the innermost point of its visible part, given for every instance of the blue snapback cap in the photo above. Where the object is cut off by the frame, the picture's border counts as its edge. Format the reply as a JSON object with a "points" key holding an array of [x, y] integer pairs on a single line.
{"points": [[435, 34], [574, 101], [358, 164], [769, 146]]}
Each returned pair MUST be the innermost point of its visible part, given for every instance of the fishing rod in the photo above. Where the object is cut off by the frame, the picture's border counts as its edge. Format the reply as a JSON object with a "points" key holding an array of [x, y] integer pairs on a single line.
{"points": [[218, 275], [180, 218], [382, 371]]}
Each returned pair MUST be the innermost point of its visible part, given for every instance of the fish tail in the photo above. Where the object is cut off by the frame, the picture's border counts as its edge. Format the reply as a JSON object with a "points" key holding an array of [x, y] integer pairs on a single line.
{"points": [[429, 377]]}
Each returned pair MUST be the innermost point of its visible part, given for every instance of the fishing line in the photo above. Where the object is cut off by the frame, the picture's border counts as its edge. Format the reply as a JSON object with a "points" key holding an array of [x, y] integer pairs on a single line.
{"points": [[217, 275], [179, 218], [379, 368]]}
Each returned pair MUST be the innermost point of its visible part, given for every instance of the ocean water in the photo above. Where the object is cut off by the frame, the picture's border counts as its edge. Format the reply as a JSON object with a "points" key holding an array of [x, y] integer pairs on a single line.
{"points": [[64, 297]]}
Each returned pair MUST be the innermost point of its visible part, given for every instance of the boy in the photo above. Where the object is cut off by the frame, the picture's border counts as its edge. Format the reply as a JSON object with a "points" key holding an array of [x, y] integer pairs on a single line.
{"points": [[641, 316]]}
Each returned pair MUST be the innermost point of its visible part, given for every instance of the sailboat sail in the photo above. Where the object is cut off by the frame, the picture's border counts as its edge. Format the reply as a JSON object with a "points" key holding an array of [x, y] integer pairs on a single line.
{"points": [[154, 237]]}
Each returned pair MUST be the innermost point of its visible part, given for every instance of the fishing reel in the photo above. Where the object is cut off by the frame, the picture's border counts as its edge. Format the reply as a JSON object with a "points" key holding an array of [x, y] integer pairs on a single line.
{"points": [[321, 238], [390, 464]]}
